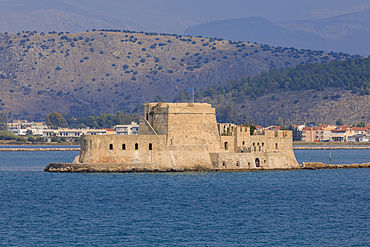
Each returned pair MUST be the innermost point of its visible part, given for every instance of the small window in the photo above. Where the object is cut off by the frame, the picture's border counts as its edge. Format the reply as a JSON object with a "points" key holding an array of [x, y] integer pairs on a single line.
{"points": [[276, 146], [263, 144], [237, 163], [123, 146], [243, 142], [223, 164], [258, 144], [110, 146], [254, 144], [150, 146], [226, 146], [257, 162], [136, 146]]}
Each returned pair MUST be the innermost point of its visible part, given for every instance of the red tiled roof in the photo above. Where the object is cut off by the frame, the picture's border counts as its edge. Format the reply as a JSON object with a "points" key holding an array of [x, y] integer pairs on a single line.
{"points": [[359, 128]]}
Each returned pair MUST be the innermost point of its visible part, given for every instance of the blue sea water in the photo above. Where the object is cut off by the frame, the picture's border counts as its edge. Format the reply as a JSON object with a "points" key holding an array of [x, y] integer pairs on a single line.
{"points": [[284, 208]]}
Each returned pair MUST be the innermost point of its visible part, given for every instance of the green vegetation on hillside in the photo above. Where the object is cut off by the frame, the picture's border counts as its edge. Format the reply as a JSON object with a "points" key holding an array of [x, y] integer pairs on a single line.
{"points": [[350, 74], [102, 121]]}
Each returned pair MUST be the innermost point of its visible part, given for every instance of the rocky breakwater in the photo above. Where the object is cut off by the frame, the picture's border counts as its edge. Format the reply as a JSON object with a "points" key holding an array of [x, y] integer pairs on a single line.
{"points": [[320, 165], [107, 167], [330, 148], [37, 149]]}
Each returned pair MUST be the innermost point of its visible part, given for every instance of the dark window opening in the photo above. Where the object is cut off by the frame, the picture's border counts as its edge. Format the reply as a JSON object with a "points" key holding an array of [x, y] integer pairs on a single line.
{"points": [[237, 163], [110, 146], [276, 146], [136, 146], [147, 116], [223, 164], [123, 146], [150, 146], [226, 145], [257, 162], [243, 142]]}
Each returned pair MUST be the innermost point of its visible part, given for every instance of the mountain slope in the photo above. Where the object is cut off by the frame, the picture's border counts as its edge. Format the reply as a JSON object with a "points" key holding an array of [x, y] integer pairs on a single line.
{"points": [[348, 33], [256, 29], [101, 71]]}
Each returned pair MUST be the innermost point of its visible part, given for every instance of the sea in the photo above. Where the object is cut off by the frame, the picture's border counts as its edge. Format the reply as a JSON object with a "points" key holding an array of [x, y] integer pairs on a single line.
{"points": [[259, 208]]}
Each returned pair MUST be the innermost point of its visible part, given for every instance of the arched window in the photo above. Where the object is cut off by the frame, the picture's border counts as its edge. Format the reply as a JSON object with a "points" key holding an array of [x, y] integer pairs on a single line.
{"points": [[110, 146], [257, 162], [276, 146], [226, 146], [150, 146], [237, 163], [136, 146], [123, 146], [243, 142]]}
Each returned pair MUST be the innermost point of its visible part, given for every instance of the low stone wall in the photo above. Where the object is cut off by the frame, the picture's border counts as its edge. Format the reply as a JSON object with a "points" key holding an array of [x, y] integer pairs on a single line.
{"points": [[38, 149], [329, 148], [67, 167]]}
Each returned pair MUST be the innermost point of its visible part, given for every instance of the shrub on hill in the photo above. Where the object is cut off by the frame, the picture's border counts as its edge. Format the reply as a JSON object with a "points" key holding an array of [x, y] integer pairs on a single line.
{"points": [[7, 135]]}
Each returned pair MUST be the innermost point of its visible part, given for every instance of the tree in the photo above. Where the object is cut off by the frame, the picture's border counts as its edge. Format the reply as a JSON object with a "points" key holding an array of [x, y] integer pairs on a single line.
{"points": [[29, 132], [339, 122], [7, 135], [54, 139], [3, 120], [361, 124], [31, 139], [55, 120]]}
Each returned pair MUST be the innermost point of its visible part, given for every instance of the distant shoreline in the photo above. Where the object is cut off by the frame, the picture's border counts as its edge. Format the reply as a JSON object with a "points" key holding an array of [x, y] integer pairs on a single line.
{"points": [[17, 149]]}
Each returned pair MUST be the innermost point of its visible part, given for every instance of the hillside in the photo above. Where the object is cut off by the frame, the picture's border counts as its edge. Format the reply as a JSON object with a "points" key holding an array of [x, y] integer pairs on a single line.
{"points": [[319, 93], [349, 33], [108, 71]]}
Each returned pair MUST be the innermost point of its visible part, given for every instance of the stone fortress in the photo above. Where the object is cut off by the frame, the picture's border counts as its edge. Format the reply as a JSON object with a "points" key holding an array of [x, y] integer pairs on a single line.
{"points": [[183, 137]]}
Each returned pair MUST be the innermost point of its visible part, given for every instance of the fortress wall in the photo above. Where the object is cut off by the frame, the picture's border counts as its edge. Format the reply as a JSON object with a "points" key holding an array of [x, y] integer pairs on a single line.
{"points": [[227, 144], [144, 129], [273, 149], [185, 124], [242, 138], [97, 149], [109, 149], [253, 160]]}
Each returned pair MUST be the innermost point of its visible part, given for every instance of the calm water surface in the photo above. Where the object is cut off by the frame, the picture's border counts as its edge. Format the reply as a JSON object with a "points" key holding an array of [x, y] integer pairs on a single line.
{"points": [[290, 208]]}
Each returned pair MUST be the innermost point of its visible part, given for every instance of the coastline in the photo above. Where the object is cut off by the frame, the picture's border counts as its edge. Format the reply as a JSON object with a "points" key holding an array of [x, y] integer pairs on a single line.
{"points": [[79, 149]]}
